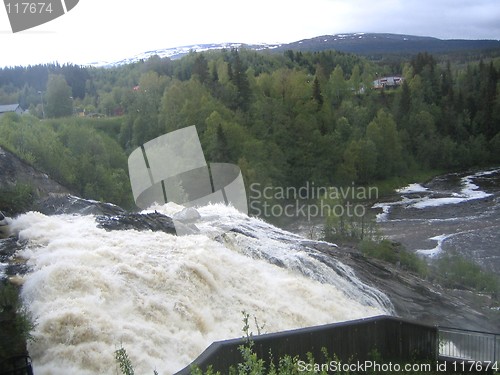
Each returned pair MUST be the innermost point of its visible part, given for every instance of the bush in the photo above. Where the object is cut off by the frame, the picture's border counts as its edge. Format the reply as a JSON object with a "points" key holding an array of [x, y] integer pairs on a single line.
{"points": [[454, 271], [17, 199], [16, 323], [394, 253]]}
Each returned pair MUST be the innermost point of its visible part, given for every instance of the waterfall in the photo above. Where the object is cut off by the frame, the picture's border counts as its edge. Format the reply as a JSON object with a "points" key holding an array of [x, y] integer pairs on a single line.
{"points": [[165, 298]]}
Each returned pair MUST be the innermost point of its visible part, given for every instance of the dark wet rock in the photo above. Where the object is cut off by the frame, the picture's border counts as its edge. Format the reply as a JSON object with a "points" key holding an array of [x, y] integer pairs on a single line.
{"points": [[418, 299], [57, 204], [4, 226], [242, 231], [112, 217], [151, 221], [10, 265], [14, 171]]}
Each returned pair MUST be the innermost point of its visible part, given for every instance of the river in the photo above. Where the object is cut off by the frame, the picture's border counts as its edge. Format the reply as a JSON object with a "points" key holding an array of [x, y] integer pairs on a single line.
{"points": [[456, 213]]}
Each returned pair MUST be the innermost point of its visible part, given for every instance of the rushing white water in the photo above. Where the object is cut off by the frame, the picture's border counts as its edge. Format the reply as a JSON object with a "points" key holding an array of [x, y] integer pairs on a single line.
{"points": [[166, 298], [469, 191], [431, 253]]}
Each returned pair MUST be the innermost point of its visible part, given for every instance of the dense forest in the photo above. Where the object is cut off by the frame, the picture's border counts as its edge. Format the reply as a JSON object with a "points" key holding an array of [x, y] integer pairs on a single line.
{"points": [[285, 119]]}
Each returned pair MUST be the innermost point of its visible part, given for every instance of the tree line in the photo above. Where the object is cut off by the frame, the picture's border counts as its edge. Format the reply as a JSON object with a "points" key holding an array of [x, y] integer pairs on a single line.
{"points": [[285, 119]]}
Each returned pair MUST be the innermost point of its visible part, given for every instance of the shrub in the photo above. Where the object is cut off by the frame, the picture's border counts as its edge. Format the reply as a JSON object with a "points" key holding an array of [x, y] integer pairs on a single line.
{"points": [[454, 271], [17, 199], [394, 253], [16, 323]]}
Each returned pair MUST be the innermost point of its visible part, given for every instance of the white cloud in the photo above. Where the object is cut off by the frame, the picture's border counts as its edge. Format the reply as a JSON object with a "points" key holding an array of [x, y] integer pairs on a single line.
{"points": [[113, 29]]}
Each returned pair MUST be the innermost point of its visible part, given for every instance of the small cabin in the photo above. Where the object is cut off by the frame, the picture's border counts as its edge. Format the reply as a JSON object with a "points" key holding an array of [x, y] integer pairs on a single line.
{"points": [[388, 82], [15, 108]]}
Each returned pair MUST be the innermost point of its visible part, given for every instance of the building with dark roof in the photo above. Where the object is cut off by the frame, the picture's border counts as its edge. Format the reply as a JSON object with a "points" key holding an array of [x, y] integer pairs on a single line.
{"points": [[16, 108]]}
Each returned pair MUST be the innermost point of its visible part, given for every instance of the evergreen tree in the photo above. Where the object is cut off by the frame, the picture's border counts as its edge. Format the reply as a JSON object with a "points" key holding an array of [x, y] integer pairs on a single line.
{"points": [[316, 93], [58, 97], [240, 80], [200, 68], [221, 145], [403, 105]]}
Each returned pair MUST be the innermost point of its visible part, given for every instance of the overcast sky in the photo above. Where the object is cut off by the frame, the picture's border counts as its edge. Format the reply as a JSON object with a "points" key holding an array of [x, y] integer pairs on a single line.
{"points": [[109, 30]]}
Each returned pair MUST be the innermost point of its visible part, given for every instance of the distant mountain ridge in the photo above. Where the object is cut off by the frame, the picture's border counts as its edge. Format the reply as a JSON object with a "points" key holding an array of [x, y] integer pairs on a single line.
{"points": [[376, 43], [367, 44]]}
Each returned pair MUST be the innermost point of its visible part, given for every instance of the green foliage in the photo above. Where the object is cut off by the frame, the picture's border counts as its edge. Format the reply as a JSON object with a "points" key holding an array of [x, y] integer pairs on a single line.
{"points": [[454, 271], [17, 199], [251, 364], [124, 362], [394, 253], [58, 97], [347, 217], [383, 133], [344, 226], [450, 271], [285, 119], [16, 323], [83, 159]]}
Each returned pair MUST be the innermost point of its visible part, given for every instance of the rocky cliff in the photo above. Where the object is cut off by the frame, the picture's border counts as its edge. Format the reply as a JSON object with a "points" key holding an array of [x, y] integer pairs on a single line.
{"points": [[21, 184], [14, 171]]}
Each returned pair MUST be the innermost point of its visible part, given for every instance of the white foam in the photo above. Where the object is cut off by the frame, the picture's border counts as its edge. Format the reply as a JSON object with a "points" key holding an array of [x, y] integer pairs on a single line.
{"points": [[469, 191], [431, 253], [436, 202], [412, 188], [384, 215], [168, 209], [166, 298]]}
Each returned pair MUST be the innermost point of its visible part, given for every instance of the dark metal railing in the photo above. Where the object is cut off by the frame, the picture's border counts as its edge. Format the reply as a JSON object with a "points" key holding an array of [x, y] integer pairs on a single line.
{"points": [[469, 345], [392, 338]]}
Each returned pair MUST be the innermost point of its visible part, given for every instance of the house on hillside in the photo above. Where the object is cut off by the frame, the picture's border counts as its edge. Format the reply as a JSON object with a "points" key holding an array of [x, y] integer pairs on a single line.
{"points": [[388, 82], [15, 108]]}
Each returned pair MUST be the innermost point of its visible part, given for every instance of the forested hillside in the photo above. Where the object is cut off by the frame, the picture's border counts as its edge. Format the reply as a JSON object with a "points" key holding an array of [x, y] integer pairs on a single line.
{"points": [[285, 119]]}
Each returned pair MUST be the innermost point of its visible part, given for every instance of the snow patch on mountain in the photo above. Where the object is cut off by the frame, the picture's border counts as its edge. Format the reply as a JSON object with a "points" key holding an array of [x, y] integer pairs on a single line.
{"points": [[178, 52]]}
